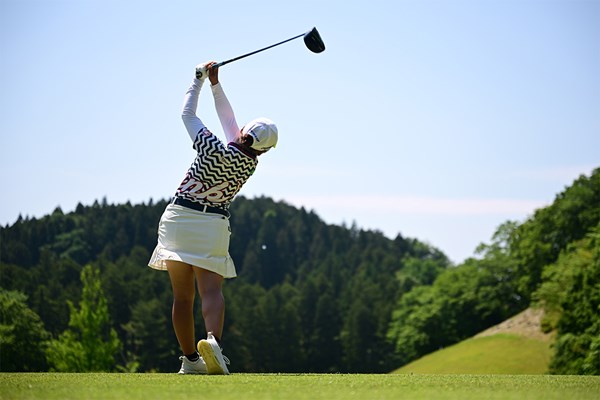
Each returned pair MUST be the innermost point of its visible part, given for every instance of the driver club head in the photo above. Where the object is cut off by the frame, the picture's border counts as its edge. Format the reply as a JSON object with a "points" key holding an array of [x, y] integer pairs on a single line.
{"points": [[313, 41]]}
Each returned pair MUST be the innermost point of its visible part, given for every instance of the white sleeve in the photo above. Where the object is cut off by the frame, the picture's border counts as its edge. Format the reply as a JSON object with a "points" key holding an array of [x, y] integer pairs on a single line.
{"points": [[192, 123], [225, 113]]}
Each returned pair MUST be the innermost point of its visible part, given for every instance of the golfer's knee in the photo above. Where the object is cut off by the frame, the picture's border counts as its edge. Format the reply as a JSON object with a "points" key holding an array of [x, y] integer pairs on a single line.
{"points": [[212, 293]]}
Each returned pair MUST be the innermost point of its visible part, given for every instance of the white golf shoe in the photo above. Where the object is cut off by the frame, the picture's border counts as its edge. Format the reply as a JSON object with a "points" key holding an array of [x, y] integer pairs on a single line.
{"points": [[192, 367], [216, 362]]}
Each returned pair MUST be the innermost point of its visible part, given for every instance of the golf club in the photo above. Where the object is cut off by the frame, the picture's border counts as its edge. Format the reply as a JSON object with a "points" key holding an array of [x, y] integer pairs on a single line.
{"points": [[312, 40]]}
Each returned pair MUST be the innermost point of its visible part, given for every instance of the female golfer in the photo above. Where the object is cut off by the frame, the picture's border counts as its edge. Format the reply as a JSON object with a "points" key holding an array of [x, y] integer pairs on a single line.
{"points": [[193, 232]]}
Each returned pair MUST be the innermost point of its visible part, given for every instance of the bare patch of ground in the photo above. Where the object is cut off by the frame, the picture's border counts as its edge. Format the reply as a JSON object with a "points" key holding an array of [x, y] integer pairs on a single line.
{"points": [[527, 323]]}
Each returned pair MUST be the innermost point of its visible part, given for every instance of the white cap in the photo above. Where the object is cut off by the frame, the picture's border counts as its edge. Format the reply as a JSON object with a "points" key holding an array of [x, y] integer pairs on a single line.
{"points": [[264, 133]]}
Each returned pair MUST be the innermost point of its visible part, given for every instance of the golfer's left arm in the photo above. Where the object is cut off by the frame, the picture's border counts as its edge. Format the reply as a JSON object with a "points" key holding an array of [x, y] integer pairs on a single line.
{"points": [[192, 123]]}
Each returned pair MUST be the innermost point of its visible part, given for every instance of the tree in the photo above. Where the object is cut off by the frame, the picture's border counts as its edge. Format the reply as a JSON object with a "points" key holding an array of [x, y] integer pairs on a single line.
{"points": [[570, 295], [22, 334], [150, 328], [539, 241], [90, 343], [416, 317]]}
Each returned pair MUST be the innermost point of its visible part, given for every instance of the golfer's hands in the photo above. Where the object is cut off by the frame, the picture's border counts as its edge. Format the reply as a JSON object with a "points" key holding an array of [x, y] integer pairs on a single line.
{"points": [[201, 71], [213, 73], [204, 71]]}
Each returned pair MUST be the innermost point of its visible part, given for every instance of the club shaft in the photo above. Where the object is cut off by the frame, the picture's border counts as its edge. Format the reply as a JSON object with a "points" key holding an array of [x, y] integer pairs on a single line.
{"points": [[217, 65]]}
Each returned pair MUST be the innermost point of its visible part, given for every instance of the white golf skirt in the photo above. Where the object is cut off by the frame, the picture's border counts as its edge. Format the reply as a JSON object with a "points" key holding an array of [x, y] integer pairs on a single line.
{"points": [[193, 237]]}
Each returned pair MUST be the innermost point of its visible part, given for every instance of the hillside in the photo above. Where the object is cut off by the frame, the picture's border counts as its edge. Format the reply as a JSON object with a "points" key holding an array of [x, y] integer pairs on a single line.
{"points": [[551, 261], [515, 346]]}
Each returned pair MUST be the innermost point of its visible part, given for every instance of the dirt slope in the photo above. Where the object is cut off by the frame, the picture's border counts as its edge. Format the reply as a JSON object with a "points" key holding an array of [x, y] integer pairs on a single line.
{"points": [[526, 323]]}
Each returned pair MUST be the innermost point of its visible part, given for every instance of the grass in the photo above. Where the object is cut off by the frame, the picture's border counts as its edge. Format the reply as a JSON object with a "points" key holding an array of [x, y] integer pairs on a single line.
{"points": [[497, 354], [63, 386]]}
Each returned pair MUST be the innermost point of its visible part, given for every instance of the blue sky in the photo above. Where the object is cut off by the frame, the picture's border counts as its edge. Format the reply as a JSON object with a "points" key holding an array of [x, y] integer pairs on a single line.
{"points": [[438, 120]]}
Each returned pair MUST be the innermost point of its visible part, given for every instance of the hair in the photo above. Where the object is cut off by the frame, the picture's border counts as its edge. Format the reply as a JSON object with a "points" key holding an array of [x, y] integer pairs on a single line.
{"points": [[248, 140]]}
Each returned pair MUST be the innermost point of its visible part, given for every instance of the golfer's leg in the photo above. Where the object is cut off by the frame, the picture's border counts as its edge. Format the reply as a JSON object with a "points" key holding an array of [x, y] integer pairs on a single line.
{"points": [[182, 281], [213, 304]]}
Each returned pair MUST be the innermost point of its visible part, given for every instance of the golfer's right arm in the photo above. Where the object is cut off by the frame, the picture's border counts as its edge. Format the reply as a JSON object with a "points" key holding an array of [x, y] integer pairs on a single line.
{"points": [[225, 113], [192, 123], [224, 110]]}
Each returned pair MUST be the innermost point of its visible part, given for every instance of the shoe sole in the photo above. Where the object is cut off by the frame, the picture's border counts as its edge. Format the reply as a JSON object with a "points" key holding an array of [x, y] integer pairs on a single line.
{"points": [[192, 372], [212, 363]]}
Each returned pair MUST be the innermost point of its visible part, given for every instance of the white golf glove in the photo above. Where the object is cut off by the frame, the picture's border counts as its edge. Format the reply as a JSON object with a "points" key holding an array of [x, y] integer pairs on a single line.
{"points": [[201, 71]]}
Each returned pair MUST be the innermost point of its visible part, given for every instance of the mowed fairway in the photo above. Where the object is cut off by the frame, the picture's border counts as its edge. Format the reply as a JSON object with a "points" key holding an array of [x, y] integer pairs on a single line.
{"points": [[51, 386]]}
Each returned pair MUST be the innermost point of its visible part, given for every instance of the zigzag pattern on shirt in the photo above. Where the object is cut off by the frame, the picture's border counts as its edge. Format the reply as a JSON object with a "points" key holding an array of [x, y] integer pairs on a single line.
{"points": [[222, 169]]}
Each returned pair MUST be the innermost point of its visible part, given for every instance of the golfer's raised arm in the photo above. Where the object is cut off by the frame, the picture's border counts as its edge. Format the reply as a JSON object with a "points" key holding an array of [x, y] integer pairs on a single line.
{"points": [[224, 110], [192, 123], [225, 113]]}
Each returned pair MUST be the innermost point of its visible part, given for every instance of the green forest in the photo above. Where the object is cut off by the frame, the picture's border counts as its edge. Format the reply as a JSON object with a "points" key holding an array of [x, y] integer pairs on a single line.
{"points": [[76, 293]]}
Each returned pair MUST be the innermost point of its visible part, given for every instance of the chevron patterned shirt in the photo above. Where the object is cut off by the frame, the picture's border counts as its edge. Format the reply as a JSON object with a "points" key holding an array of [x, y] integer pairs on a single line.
{"points": [[218, 171]]}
